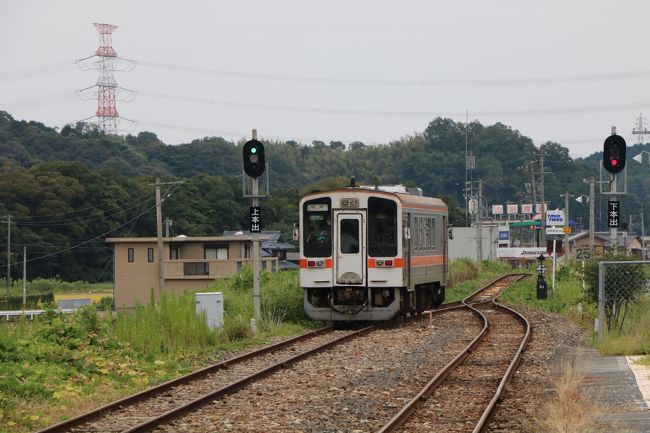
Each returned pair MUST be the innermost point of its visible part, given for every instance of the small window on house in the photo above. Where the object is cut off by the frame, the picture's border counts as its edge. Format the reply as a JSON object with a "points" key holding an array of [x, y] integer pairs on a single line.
{"points": [[150, 255], [174, 253], [216, 252], [130, 255]]}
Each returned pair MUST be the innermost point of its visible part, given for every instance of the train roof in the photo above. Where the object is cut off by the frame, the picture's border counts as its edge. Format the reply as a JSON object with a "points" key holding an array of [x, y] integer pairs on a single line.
{"points": [[407, 200]]}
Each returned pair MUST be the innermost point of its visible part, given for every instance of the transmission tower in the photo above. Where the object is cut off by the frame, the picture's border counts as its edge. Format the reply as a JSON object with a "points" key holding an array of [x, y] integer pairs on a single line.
{"points": [[105, 62], [106, 85], [640, 129]]}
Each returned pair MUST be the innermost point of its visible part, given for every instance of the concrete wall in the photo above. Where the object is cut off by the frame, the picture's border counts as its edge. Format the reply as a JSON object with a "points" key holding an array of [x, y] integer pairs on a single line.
{"points": [[464, 243]]}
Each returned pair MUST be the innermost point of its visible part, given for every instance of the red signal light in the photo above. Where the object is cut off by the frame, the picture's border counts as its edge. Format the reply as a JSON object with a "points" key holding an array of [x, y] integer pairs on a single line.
{"points": [[614, 162]]}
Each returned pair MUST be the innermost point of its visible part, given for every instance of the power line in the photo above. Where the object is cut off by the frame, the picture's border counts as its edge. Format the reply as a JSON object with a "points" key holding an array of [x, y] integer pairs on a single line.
{"points": [[405, 113], [415, 82], [101, 204], [167, 194], [38, 71], [471, 82], [57, 223], [84, 242]]}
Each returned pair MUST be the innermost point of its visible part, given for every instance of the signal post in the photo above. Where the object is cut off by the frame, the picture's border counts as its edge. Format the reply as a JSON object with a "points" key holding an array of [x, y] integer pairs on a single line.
{"points": [[254, 164], [614, 149]]}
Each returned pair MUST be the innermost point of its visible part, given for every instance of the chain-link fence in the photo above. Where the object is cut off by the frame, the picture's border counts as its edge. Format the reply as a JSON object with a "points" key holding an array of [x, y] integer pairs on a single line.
{"points": [[620, 284]]}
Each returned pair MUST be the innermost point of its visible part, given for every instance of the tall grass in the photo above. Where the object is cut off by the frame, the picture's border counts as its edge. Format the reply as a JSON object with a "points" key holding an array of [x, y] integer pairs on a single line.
{"points": [[634, 337], [568, 411], [167, 327], [281, 298], [465, 276]]}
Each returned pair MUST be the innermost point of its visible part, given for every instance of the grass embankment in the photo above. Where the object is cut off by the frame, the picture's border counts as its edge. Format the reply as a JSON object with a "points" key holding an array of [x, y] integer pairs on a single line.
{"points": [[570, 299], [60, 365]]}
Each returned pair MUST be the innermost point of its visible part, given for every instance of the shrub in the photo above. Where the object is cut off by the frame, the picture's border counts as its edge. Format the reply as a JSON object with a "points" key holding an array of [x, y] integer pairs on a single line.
{"points": [[462, 269]]}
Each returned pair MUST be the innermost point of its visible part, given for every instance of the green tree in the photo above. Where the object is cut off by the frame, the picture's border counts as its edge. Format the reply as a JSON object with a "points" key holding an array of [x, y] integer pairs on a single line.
{"points": [[623, 285]]}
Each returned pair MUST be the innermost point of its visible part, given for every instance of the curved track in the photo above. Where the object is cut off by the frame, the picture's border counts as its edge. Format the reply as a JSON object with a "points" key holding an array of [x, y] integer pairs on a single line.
{"points": [[483, 368], [172, 400]]}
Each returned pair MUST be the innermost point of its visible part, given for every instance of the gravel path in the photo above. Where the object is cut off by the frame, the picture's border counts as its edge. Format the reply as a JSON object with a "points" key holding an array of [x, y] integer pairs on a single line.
{"points": [[354, 387]]}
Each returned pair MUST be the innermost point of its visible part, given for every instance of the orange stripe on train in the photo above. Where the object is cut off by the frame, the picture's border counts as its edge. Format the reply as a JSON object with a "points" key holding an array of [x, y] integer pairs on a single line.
{"points": [[427, 260]]}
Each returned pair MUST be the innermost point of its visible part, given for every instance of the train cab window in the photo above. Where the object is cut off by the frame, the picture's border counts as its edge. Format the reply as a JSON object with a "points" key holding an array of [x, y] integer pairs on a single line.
{"points": [[317, 228], [382, 227]]}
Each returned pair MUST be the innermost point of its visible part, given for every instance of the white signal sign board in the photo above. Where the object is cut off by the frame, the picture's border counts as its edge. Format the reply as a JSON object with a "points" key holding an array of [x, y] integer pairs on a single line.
{"points": [[554, 230], [555, 218]]}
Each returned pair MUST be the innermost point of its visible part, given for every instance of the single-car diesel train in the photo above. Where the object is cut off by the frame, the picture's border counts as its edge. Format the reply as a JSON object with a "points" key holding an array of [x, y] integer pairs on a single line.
{"points": [[370, 253]]}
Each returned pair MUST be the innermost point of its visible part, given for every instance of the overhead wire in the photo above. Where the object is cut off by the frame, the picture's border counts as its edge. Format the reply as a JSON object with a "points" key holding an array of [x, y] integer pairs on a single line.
{"points": [[168, 193], [101, 204], [38, 71], [413, 82], [471, 82], [399, 113], [59, 223]]}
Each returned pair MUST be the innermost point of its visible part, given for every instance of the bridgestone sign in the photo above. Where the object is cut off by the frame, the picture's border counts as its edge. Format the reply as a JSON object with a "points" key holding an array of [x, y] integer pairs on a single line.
{"points": [[517, 253]]}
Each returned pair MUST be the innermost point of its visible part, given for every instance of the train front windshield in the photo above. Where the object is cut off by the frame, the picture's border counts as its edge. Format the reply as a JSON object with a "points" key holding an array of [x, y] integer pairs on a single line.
{"points": [[382, 227], [317, 228]]}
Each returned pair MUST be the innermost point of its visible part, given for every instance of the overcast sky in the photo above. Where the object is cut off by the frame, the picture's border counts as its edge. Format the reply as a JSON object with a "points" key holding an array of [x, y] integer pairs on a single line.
{"points": [[367, 70]]}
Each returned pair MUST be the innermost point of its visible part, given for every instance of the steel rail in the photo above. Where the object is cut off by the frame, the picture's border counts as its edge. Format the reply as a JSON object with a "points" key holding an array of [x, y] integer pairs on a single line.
{"points": [[394, 423], [235, 386], [148, 393], [489, 411], [397, 420], [490, 284]]}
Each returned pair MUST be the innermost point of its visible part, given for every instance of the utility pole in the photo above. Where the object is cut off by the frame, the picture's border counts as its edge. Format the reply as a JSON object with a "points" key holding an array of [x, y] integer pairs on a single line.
{"points": [[533, 187], [642, 236], [24, 276], [566, 196], [161, 276], [159, 231], [592, 213], [541, 194], [168, 224], [8, 252], [479, 221]]}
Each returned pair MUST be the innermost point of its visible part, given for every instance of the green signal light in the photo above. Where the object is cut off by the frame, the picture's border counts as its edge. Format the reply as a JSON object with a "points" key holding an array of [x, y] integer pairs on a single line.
{"points": [[253, 150]]}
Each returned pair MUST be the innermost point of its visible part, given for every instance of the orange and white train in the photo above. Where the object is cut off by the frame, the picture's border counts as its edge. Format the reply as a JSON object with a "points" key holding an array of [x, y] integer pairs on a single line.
{"points": [[369, 254]]}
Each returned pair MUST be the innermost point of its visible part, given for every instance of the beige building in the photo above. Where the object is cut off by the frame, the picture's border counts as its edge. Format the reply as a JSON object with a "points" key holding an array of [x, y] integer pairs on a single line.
{"points": [[189, 263], [628, 243]]}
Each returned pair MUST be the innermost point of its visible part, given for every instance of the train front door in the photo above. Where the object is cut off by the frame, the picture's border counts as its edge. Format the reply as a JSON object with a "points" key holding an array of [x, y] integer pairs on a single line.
{"points": [[350, 248]]}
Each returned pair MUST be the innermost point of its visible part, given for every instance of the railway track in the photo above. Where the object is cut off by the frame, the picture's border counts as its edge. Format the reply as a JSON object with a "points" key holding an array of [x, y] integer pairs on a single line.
{"points": [[142, 411], [483, 369], [175, 399]]}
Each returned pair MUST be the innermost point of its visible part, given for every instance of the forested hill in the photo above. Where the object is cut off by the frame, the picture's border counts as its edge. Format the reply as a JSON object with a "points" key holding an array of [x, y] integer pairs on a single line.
{"points": [[433, 159], [79, 185]]}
